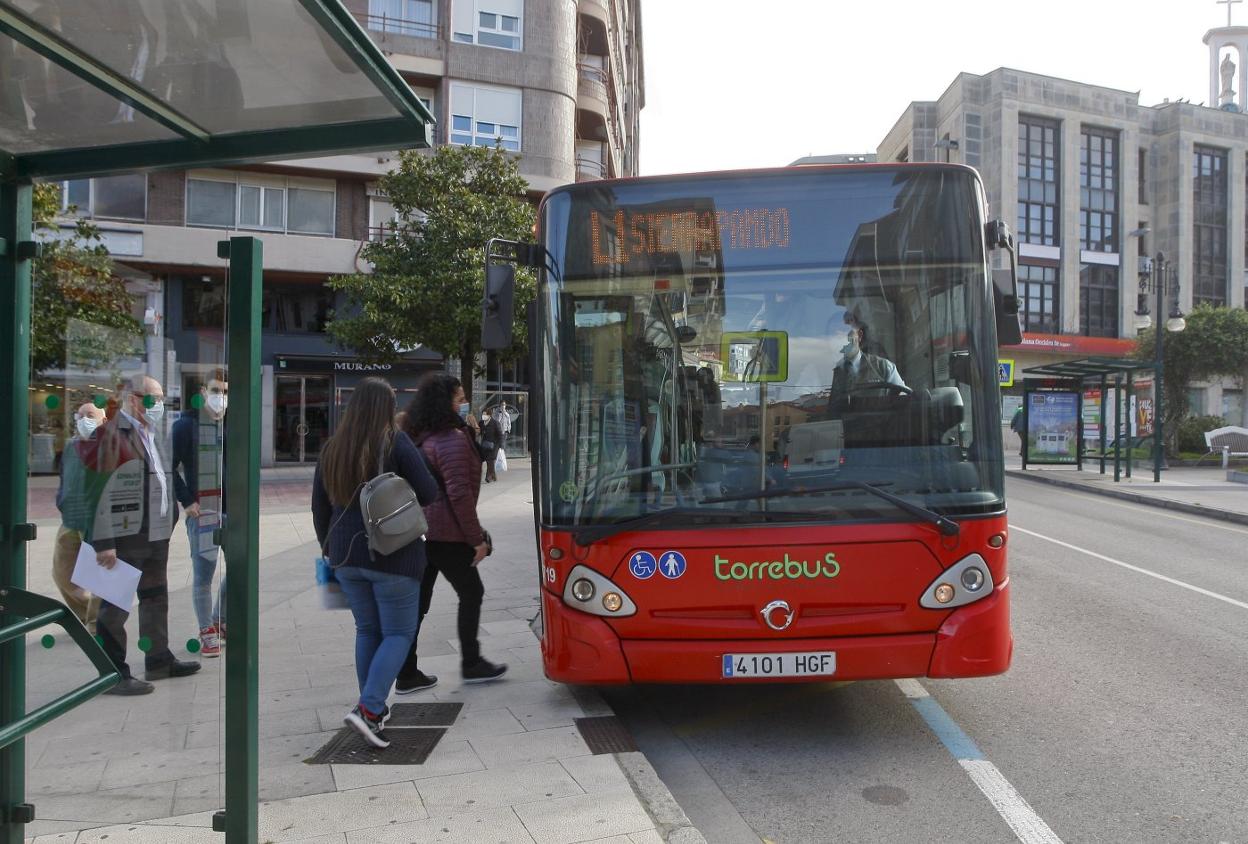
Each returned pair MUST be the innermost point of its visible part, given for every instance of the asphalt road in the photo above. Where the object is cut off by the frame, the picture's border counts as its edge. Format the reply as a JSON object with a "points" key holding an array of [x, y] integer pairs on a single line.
{"points": [[1123, 718]]}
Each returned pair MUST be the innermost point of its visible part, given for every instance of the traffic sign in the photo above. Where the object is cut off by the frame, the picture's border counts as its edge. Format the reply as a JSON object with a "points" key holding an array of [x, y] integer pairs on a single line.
{"points": [[1005, 372]]}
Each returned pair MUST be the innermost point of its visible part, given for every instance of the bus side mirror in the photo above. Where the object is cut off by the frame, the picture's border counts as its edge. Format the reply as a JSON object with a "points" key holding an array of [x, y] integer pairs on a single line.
{"points": [[1004, 285], [498, 308]]}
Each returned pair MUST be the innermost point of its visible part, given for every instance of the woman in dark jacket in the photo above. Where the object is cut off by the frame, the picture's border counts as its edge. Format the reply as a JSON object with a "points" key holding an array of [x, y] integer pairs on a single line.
{"points": [[456, 542], [383, 590], [491, 442]]}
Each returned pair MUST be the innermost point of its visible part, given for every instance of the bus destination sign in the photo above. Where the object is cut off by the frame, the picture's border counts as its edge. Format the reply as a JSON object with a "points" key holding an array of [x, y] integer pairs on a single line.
{"points": [[629, 238]]}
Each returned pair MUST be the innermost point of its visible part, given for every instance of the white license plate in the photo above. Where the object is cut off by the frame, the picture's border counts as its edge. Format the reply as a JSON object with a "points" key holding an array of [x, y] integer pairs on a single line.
{"points": [[805, 664]]}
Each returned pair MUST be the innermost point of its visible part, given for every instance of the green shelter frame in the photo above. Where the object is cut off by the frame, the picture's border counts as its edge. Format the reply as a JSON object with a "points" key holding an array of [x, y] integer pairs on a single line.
{"points": [[354, 101]]}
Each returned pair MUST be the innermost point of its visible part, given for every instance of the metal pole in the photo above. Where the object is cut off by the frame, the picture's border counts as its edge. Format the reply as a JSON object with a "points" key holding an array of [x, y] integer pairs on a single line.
{"points": [[1104, 420], [1159, 282], [242, 540], [15, 227], [1117, 428], [1130, 421]]}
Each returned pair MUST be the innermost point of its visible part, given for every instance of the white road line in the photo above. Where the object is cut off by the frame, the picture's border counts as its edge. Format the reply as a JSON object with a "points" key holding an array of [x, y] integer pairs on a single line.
{"points": [[1232, 601], [1010, 805]]}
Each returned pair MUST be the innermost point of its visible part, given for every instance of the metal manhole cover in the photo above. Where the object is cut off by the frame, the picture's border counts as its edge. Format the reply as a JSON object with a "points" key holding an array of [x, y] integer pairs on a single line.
{"points": [[407, 747], [605, 734], [423, 715]]}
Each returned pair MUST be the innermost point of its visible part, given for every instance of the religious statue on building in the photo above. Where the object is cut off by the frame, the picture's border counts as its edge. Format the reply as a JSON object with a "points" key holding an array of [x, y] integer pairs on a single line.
{"points": [[1227, 97]]}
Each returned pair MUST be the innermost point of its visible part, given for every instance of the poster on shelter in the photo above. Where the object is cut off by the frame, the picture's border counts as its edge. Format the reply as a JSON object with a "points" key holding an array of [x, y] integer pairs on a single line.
{"points": [[1052, 427]]}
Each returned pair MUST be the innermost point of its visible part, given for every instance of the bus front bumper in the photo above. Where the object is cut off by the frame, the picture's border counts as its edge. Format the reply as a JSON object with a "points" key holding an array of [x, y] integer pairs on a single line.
{"points": [[974, 641]]}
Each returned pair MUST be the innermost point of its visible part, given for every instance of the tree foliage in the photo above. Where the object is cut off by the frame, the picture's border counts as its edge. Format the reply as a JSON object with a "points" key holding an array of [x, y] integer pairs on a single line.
{"points": [[428, 279], [74, 292], [1213, 345]]}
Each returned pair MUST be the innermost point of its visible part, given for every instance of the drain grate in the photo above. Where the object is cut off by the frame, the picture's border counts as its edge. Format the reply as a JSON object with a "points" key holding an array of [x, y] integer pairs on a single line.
{"points": [[407, 747], [605, 734], [423, 715]]}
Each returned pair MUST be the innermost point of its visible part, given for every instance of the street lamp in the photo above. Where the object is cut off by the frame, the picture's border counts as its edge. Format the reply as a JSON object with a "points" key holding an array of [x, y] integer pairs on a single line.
{"points": [[1160, 281], [946, 144]]}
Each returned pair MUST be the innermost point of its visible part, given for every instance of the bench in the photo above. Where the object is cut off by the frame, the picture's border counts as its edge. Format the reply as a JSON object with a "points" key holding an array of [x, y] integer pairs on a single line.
{"points": [[1229, 441]]}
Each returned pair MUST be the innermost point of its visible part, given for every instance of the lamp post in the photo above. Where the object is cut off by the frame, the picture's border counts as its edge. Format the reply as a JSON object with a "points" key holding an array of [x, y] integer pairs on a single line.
{"points": [[1162, 280]]}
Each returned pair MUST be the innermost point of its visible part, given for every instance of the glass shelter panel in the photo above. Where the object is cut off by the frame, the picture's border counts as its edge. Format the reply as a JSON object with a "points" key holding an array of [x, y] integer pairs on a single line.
{"points": [[126, 487], [718, 342], [229, 67]]}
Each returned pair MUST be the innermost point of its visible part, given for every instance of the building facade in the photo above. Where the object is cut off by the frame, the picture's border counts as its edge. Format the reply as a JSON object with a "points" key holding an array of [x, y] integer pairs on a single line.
{"points": [[1093, 184], [557, 82]]}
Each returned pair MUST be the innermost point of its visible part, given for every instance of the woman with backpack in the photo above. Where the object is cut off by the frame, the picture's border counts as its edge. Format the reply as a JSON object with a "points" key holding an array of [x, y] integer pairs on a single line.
{"points": [[383, 590], [456, 542]]}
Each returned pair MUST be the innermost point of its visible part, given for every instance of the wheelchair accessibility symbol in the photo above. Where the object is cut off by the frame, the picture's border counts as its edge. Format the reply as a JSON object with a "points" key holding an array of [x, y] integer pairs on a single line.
{"points": [[642, 565], [672, 564]]}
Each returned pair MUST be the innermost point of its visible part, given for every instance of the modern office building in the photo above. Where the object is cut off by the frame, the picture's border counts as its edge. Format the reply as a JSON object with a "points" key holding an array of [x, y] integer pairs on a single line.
{"points": [[1093, 183], [557, 82]]}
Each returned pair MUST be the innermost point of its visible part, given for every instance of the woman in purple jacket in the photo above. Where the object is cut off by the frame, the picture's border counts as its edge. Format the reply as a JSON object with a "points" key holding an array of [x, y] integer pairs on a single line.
{"points": [[456, 542]]}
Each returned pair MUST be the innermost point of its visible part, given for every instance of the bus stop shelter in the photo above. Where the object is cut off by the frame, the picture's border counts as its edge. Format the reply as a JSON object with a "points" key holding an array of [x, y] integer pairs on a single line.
{"points": [[1078, 373], [93, 88]]}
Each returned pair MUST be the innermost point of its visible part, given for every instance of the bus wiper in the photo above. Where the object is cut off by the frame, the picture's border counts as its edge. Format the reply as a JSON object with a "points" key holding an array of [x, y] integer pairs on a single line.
{"points": [[946, 525], [589, 534]]}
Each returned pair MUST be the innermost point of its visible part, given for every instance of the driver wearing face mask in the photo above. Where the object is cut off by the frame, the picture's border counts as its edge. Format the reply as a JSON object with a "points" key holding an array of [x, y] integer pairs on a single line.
{"points": [[858, 369]]}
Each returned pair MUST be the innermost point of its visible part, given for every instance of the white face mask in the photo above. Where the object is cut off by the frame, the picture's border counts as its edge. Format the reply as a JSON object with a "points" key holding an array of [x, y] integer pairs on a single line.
{"points": [[464, 410], [850, 349], [155, 413], [86, 427], [217, 403]]}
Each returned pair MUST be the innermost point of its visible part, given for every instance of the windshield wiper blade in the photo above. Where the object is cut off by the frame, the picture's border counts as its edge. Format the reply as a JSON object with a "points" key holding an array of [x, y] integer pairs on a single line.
{"points": [[589, 534], [946, 525]]}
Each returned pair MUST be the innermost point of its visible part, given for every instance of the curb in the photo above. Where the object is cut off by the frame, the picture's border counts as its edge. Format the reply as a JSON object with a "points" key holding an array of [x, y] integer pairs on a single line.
{"points": [[1135, 497], [656, 798]]}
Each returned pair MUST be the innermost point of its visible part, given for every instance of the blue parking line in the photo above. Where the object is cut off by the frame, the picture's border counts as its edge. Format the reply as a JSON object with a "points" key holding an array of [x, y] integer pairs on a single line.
{"points": [[950, 734]]}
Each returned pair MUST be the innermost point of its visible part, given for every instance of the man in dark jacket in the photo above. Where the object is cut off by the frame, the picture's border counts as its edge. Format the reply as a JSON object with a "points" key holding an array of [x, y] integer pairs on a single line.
{"points": [[134, 520], [72, 501], [491, 441], [199, 483]]}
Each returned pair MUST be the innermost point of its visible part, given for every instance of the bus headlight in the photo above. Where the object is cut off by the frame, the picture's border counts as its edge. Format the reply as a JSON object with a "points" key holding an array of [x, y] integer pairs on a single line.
{"points": [[965, 582], [583, 584]]}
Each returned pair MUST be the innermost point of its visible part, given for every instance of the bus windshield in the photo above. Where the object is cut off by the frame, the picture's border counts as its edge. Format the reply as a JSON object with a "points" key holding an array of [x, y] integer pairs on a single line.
{"points": [[762, 346]]}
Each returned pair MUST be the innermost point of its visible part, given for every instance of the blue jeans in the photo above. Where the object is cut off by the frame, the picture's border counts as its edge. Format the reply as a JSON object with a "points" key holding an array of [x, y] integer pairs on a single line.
{"points": [[204, 557], [387, 612]]}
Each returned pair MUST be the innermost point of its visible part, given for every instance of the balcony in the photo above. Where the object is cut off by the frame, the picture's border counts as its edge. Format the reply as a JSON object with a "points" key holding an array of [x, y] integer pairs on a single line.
{"points": [[589, 169], [399, 26]]}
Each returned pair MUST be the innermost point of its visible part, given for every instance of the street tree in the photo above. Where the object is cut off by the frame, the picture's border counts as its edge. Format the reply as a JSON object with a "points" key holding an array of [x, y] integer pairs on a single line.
{"points": [[1213, 345], [79, 308], [428, 274]]}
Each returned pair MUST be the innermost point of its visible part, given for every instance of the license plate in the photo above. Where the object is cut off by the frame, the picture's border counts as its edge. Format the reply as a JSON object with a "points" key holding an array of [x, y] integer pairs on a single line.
{"points": [[806, 664]]}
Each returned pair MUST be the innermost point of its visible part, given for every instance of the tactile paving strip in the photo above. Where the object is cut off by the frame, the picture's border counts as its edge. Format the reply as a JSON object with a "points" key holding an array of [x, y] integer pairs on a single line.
{"points": [[407, 747], [605, 734], [423, 715]]}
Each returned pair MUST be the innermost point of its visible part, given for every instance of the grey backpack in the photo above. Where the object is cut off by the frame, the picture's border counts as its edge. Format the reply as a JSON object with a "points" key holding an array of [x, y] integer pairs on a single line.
{"points": [[392, 515]]}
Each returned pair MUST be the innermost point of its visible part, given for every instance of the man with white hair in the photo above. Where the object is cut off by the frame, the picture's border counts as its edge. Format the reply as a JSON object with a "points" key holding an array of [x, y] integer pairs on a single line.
{"points": [[134, 522], [71, 500]]}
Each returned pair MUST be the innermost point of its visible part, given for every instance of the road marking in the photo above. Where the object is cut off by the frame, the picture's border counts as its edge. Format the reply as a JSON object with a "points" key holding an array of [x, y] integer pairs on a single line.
{"points": [[1197, 589], [1010, 805], [1153, 510]]}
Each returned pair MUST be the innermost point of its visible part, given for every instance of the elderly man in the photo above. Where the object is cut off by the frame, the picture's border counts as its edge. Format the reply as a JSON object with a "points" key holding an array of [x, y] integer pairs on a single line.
{"points": [[133, 523], [71, 500]]}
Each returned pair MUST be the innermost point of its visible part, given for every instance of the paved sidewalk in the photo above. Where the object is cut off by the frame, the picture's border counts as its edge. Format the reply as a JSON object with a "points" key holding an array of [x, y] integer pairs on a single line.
{"points": [[513, 768], [1200, 490]]}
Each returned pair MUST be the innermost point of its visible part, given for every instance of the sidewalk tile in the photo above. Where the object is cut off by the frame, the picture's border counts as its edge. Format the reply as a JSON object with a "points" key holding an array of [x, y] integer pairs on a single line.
{"points": [[112, 806], [160, 767], [588, 817], [512, 625], [481, 723], [281, 782], [270, 725], [543, 716], [344, 811], [537, 746], [497, 826], [79, 778], [596, 773], [648, 837], [150, 834], [495, 788], [503, 693], [456, 757]]}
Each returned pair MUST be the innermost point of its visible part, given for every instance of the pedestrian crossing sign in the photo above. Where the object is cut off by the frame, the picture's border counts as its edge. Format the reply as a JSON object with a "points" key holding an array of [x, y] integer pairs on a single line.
{"points": [[1005, 372]]}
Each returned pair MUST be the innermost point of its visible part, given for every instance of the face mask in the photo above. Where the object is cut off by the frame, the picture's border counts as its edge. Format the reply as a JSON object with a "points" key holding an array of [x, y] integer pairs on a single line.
{"points": [[86, 427], [154, 413], [850, 349], [217, 404], [464, 410]]}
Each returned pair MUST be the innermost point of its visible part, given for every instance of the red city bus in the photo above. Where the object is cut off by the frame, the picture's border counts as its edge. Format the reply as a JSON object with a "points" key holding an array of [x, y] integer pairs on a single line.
{"points": [[768, 442]]}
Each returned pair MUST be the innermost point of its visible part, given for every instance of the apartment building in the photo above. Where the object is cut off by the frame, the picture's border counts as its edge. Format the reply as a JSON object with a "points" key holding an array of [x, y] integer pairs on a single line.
{"points": [[1094, 183], [557, 82]]}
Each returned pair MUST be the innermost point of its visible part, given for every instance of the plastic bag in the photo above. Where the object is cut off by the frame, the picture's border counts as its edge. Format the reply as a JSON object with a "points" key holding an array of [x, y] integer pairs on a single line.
{"points": [[332, 597], [500, 462]]}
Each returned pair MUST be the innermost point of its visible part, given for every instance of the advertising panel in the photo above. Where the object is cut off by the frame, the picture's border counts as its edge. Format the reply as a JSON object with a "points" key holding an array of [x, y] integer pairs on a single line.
{"points": [[1052, 427]]}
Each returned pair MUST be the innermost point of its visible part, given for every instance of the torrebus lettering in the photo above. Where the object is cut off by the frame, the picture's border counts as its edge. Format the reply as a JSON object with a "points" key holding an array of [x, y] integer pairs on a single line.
{"points": [[631, 235]]}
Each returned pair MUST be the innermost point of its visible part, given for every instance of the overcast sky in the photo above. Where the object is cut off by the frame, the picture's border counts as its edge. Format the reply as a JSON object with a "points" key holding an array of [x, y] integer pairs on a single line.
{"points": [[735, 84]]}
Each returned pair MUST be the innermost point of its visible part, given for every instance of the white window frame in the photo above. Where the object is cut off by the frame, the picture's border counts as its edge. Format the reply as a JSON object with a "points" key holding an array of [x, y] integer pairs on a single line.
{"points": [[89, 211], [267, 184], [484, 132], [472, 34], [380, 21]]}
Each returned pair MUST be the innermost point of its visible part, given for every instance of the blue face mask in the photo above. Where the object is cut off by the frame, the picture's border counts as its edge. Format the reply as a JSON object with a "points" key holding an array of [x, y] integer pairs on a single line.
{"points": [[464, 410]]}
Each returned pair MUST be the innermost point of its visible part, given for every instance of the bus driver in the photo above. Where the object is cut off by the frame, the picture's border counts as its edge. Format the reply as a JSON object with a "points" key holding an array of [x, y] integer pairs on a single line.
{"points": [[859, 368]]}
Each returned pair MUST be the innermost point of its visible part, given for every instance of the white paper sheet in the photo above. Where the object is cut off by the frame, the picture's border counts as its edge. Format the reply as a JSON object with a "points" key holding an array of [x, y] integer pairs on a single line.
{"points": [[117, 585]]}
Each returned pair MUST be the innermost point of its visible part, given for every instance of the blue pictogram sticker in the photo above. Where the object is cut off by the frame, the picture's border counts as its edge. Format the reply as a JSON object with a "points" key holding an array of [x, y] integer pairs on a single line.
{"points": [[727, 665], [642, 565], [672, 564]]}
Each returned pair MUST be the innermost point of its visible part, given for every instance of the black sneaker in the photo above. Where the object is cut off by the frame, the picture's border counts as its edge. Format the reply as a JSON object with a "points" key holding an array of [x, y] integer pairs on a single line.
{"points": [[131, 686], [483, 671], [368, 727], [417, 682]]}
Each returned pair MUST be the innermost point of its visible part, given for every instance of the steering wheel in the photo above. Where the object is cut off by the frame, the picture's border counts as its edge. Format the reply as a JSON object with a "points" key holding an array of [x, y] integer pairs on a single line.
{"points": [[899, 389]]}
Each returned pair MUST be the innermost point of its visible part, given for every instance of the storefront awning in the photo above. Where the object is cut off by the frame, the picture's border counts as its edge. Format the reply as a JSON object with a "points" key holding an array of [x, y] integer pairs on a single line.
{"points": [[92, 87]]}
